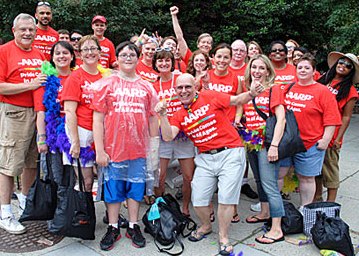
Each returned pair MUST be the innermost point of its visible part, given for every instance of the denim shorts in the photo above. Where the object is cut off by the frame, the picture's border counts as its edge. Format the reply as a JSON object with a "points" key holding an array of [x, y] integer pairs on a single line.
{"points": [[308, 163]]}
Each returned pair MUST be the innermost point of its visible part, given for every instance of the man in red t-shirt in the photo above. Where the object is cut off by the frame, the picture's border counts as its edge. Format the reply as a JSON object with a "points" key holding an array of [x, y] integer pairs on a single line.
{"points": [[46, 36], [19, 78], [108, 53], [222, 157]]}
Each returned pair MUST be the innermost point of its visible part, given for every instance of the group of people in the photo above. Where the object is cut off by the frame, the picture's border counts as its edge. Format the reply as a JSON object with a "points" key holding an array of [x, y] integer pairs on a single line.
{"points": [[150, 100]]}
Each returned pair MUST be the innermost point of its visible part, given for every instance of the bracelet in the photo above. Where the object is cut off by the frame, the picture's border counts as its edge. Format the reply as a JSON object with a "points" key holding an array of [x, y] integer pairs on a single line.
{"points": [[276, 146], [252, 96], [239, 115], [41, 143]]}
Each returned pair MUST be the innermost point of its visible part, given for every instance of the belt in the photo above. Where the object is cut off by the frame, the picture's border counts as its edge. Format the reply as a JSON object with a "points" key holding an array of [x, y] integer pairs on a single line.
{"points": [[215, 151]]}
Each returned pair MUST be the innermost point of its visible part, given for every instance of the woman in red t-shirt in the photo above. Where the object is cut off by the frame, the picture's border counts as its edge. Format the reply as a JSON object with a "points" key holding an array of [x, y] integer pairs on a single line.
{"points": [[317, 118], [253, 48], [265, 163], [76, 96], [181, 147], [198, 65], [343, 73]]}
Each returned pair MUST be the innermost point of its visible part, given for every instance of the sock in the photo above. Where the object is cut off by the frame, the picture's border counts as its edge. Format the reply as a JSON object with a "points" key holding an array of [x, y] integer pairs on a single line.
{"points": [[114, 225], [244, 181], [6, 211], [132, 224]]}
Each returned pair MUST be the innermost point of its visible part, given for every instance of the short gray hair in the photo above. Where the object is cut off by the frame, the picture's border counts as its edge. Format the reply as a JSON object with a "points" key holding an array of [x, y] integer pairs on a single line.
{"points": [[23, 16]]}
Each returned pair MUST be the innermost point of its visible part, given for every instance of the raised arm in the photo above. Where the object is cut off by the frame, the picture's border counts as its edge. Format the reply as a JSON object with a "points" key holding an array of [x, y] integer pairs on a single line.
{"points": [[182, 44], [255, 90]]}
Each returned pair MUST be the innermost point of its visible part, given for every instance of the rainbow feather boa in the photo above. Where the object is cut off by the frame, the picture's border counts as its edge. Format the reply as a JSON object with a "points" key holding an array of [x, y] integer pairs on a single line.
{"points": [[252, 139], [57, 139]]}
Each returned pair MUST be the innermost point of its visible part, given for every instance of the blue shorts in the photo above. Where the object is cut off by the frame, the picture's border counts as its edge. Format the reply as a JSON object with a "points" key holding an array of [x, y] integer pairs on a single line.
{"points": [[124, 180], [308, 163]]}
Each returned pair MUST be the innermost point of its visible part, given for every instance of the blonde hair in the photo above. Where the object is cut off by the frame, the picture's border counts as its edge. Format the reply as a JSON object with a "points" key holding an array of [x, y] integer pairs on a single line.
{"points": [[271, 73]]}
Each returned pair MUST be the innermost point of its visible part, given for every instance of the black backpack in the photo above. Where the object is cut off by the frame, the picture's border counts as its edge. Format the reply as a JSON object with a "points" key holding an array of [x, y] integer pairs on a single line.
{"points": [[169, 226]]}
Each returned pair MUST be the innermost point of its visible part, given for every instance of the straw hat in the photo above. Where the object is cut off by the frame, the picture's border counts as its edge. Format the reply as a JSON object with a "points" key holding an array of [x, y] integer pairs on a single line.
{"points": [[334, 56]]}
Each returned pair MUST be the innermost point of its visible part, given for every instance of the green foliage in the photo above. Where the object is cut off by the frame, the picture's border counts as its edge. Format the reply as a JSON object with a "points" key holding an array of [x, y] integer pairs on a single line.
{"points": [[322, 25]]}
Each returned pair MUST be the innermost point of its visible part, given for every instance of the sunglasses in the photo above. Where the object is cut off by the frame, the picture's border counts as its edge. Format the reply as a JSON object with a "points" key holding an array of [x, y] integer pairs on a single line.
{"points": [[72, 39], [347, 64], [165, 49], [277, 50], [43, 3]]}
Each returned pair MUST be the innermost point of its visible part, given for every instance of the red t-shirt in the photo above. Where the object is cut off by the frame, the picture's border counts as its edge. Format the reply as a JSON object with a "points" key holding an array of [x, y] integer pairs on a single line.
{"points": [[187, 56], [286, 75], [108, 53], [77, 88], [239, 72], [19, 66], [39, 96], [127, 106], [166, 91], [227, 84], [208, 126], [253, 120], [180, 67], [147, 73], [44, 40], [314, 109], [353, 94]]}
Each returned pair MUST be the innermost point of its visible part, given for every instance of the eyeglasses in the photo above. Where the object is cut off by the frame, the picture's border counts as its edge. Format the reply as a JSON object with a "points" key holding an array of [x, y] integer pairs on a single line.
{"points": [[125, 56], [347, 64], [92, 49], [165, 49], [277, 50], [75, 39], [43, 3]]}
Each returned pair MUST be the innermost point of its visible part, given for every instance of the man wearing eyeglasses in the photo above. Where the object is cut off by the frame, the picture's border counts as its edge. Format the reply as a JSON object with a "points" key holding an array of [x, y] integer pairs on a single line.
{"points": [[221, 160], [19, 78], [46, 36], [108, 53]]}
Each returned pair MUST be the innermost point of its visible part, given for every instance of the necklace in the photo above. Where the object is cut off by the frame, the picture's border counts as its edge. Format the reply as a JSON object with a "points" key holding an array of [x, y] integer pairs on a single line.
{"points": [[172, 83], [188, 107]]}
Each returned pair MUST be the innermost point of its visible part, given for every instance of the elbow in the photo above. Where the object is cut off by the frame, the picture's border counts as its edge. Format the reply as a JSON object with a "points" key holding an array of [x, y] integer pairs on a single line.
{"points": [[167, 138]]}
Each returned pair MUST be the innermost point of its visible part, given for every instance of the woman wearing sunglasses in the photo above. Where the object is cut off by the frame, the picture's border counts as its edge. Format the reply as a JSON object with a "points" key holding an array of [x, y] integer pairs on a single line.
{"points": [[285, 73], [76, 98], [181, 147], [342, 75]]}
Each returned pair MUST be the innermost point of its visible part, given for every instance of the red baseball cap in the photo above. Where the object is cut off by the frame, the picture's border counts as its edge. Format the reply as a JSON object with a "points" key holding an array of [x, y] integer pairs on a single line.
{"points": [[99, 18]]}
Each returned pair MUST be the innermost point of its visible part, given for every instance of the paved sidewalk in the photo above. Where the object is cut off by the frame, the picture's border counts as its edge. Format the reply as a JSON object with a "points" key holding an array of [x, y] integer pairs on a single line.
{"points": [[242, 234]]}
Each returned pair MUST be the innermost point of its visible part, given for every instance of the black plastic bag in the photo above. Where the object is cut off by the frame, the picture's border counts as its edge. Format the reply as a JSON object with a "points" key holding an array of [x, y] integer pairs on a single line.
{"points": [[332, 233], [171, 224], [292, 222], [41, 200], [75, 214]]}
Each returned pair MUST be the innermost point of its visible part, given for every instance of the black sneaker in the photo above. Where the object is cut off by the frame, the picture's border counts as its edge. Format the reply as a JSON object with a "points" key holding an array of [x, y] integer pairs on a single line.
{"points": [[248, 191], [122, 221], [136, 236], [108, 240]]}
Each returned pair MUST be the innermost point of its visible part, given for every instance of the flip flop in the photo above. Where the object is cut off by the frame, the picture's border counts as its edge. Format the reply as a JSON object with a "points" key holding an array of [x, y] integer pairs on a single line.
{"points": [[273, 240], [212, 217], [257, 220], [223, 249], [197, 236], [235, 218]]}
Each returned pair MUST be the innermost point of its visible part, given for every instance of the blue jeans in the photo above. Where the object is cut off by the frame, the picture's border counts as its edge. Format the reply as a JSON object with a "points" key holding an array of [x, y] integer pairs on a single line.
{"points": [[266, 176]]}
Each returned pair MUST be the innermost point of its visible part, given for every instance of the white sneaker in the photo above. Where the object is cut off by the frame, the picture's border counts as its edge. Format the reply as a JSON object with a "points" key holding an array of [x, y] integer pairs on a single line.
{"points": [[11, 225], [256, 207]]}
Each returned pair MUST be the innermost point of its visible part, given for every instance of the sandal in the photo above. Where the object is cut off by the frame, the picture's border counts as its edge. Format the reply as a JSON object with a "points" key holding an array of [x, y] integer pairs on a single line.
{"points": [[198, 236], [235, 218], [256, 219], [223, 248], [212, 217], [272, 240]]}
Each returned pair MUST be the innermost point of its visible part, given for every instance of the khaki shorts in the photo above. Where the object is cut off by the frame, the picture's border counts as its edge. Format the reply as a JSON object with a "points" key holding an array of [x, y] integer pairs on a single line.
{"points": [[224, 170], [17, 139], [330, 171]]}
